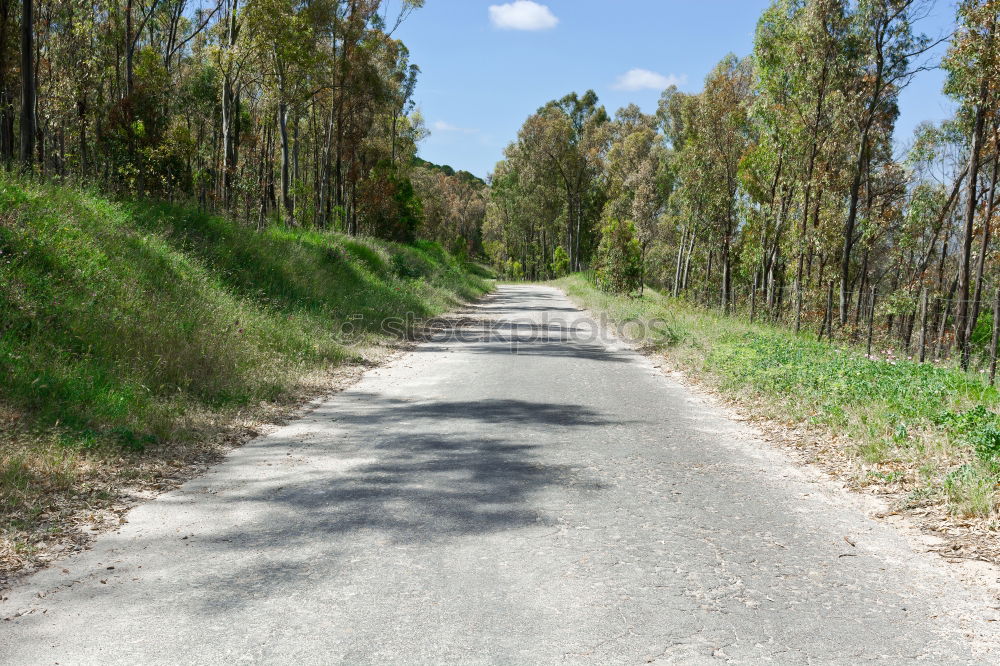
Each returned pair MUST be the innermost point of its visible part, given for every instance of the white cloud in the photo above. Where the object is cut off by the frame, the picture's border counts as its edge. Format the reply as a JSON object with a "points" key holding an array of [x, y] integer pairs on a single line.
{"points": [[522, 15], [644, 79], [442, 126]]}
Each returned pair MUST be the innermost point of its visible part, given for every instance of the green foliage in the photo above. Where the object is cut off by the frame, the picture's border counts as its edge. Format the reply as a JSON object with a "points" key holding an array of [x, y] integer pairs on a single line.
{"points": [[392, 209], [547, 190], [619, 258], [978, 427], [453, 208], [512, 270], [117, 320], [560, 262], [461, 175]]}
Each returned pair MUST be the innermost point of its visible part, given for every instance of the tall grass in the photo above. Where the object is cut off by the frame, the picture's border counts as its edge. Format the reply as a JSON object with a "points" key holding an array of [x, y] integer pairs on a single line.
{"points": [[930, 429], [120, 321]]}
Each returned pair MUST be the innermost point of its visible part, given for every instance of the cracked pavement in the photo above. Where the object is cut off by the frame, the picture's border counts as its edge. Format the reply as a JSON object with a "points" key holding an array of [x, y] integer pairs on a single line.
{"points": [[520, 493]]}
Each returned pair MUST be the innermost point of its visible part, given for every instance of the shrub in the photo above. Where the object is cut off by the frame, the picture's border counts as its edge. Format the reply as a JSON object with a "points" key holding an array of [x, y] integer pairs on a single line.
{"points": [[619, 258], [560, 262], [513, 270]]}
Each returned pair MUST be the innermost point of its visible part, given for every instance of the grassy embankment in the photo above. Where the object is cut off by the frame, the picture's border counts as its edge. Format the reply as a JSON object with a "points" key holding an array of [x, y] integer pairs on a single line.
{"points": [[133, 336], [927, 431]]}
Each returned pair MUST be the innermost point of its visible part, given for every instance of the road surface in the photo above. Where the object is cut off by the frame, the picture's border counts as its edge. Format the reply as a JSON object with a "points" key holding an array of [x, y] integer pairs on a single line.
{"points": [[522, 492]]}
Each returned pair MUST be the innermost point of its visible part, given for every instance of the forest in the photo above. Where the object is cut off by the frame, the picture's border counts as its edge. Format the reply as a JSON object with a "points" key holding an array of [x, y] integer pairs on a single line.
{"points": [[779, 189], [270, 111]]}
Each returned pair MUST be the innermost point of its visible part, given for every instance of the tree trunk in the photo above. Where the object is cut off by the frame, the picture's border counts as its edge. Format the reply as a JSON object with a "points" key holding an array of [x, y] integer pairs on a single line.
{"points": [[680, 256], [579, 215], [687, 262], [286, 199], [230, 113], [850, 223], [129, 42], [6, 96], [725, 274], [962, 301], [27, 86], [981, 263]]}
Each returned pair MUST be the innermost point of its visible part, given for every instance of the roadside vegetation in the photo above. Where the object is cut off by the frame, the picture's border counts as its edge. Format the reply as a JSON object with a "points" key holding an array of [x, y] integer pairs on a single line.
{"points": [[134, 335], [929, 431]]}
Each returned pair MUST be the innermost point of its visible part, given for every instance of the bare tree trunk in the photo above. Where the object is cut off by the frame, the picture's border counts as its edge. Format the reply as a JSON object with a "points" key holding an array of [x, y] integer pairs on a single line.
{"points": [[286, 199], [942, 325], [6, 95], [981, 263], [962, 302], [295, 161], [687, 262], [996, 335], [922, 353], [325, 184], [849, 224], [579, 216], [129, 41], [726, 286], [27, 85], [230, 113], [680, 256]]}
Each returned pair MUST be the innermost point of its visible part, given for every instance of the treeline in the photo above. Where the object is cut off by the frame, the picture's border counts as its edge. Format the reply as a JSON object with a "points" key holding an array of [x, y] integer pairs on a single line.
{"points": [[296, 111], [779, 185], [454, 205]]}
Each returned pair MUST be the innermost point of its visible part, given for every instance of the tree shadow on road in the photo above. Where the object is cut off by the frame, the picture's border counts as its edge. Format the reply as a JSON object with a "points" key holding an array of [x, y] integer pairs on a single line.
{"points": [[484, 336], [393, 477]]}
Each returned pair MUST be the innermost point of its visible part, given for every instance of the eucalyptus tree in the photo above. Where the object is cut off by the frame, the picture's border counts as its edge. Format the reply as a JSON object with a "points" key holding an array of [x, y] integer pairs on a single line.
{"points": [[784, 168], [716, 134], [884, 48], [973, 65], [454, 206], [801, 58], [637, 184], [266, 109], [569, 136], [284, 33]]}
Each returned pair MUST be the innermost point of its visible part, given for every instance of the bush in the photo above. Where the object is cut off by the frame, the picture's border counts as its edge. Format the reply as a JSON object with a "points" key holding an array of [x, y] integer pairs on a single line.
{"points": [[619, 258], [513, 270], [560, 262]]}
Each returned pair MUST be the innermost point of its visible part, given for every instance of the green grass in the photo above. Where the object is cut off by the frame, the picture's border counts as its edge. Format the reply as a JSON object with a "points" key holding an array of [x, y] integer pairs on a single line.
{"points": [[919, 425], [125, 328]]}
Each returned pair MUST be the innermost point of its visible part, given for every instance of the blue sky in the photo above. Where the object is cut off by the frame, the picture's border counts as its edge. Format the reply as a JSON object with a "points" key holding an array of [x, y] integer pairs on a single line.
{"points": [[487, 64]]}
